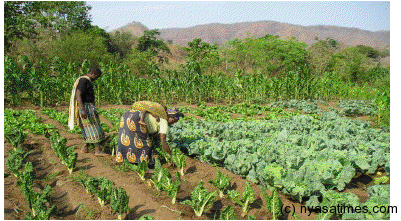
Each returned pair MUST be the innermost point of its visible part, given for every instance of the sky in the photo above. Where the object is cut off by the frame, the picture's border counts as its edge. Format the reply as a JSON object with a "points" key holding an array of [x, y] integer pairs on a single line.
{"points": [[366, 15]]}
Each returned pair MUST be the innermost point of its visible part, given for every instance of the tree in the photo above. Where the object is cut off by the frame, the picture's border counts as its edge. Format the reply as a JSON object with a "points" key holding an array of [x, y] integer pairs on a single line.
{"points": [[149, 42], [203, 53], [99, 32], [17, 24], [349, 64], [23, 19], [122, 43], [80, 45], [268, 54], [368, 51], [320, 55]]}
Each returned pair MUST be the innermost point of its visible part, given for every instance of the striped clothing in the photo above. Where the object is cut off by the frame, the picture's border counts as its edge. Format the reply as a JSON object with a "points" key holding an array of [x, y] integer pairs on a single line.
{"points": [[92, 131]]}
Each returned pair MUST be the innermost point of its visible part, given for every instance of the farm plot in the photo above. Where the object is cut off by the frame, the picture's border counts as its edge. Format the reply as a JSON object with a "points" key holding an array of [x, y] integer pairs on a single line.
{"points": [[310, 159]]}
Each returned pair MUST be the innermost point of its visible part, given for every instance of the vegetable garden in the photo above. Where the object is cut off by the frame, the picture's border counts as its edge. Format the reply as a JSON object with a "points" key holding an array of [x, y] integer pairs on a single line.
{"points": [[238, 161], [271, 123]]}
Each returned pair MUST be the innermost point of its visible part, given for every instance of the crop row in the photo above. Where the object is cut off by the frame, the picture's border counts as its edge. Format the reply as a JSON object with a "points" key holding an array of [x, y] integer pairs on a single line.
{"points": [[301, 156], [15, 123], [306, 158]]}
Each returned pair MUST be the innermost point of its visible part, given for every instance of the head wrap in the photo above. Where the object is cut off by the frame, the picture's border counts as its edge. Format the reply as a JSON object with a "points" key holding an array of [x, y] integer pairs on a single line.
{"points": [[152, 107], [174, 112]]}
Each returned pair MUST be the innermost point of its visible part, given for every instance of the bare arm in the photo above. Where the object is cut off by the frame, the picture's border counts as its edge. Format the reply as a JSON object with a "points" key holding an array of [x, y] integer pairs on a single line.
{"points": [[163, 143], [81, 104]]}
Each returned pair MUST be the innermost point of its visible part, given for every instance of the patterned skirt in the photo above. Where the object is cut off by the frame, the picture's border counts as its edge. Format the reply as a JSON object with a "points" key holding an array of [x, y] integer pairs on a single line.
{"points": [[134, 142], [92, 131]]}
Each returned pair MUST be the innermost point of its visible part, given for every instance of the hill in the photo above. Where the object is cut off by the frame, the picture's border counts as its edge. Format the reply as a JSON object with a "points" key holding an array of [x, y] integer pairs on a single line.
{"points": [[220, 33]]}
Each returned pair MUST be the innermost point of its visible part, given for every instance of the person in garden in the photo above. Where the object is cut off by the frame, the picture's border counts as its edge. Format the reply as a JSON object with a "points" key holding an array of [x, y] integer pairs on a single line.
{"points": [[83, 112], [135, 140]]}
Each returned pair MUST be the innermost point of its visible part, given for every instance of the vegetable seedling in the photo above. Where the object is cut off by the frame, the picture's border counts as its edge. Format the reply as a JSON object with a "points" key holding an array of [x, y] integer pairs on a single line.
{"points": [[119, 201], [170, 186], [201, 199], [222, 182], [273, 202], [141, 169], [248, 197], [158, 175], [227, 213], [179, 160]]}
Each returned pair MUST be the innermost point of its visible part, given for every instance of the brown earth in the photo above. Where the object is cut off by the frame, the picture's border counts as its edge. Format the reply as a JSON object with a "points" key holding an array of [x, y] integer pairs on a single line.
{"points": [[73, 202]]}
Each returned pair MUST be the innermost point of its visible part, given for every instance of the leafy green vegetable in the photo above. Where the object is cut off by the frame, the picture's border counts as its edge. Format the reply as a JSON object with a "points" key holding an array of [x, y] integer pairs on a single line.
{"points": [[26, 182], [36, 201], [159, 174], [331, 199], [71, 160], [222, 182], [379, 197], [273, 202], [381, 180], [39, 208], [179, 159], [141, 169], [113, 145], [201, 199], [146, 217], [301, 156], [164, 154], [119, 201], [104, 191], [248, 197], [15, 160], [67, 156], [171, 186], [101, 187], [16, 136], [227, 213]]}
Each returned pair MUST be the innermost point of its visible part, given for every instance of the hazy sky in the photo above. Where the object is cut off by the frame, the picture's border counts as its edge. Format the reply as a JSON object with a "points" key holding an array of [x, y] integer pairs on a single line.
{"points": [[367, 15]]}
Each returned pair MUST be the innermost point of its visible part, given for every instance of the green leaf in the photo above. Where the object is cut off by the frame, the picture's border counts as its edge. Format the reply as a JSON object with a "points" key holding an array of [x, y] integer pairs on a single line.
{"points": [[227, 213], [201, 199]]}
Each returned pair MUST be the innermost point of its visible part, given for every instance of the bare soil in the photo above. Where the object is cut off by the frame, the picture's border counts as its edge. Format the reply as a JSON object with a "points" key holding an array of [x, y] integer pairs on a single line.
{"points": [[73, 202]]}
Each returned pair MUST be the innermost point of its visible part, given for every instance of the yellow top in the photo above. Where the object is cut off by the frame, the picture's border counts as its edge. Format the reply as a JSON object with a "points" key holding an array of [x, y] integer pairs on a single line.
{"points": [[152, 107], [153, 126]]}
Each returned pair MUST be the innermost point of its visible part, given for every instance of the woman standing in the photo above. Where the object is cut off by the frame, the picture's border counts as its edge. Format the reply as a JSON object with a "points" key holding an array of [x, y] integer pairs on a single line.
{"points": [[135, 143], [84, 113]]}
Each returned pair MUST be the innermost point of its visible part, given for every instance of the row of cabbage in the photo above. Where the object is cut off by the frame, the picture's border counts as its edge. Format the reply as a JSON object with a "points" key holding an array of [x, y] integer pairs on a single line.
{"points": [[302, 156], [347, 107]]}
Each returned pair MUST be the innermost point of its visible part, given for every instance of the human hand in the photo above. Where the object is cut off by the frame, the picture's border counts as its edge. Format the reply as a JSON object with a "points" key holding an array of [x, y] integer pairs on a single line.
{"points": [[83, 115]]}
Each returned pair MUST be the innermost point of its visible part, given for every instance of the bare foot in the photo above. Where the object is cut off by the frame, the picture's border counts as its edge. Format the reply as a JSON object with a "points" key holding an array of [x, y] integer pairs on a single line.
{"points": [[84, 149], [101, 154]]}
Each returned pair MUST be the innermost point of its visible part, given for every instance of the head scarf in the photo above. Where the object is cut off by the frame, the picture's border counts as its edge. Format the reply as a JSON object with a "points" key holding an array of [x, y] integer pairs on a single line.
{"points": [[174, 112], [151, 107]]}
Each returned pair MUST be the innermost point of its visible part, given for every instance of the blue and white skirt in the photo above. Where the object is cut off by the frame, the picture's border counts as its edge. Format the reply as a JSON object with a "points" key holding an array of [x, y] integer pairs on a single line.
{"points": [[92, 131]]}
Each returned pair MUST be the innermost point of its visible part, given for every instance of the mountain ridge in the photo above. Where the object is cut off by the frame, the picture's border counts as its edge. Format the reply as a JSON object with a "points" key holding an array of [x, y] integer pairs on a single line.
{"points": [[220, 33]]}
